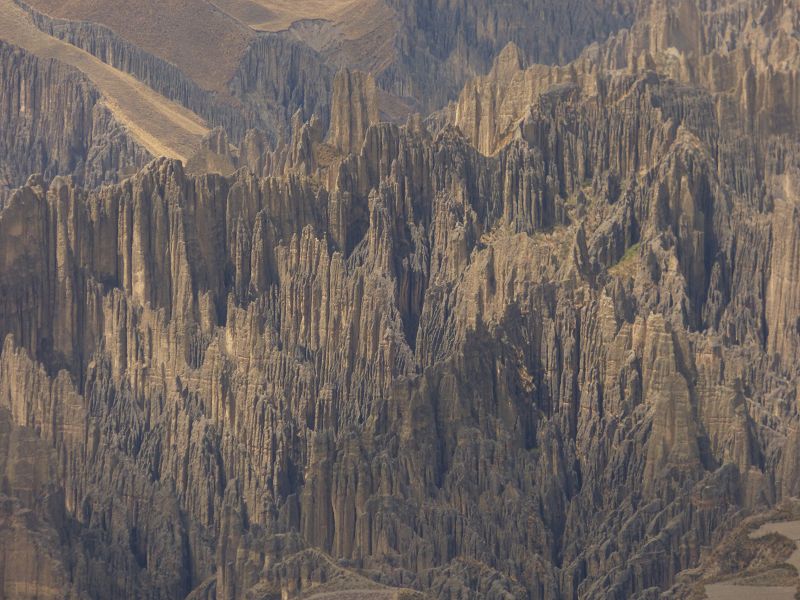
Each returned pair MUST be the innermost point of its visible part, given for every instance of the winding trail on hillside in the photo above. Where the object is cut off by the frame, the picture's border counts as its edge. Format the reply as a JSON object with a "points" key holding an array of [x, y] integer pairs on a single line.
{"points": [[161, 126]]}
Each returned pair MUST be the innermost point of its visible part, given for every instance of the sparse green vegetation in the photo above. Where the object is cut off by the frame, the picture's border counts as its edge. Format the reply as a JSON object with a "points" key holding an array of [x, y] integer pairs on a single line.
{"points": [[627, 262]]}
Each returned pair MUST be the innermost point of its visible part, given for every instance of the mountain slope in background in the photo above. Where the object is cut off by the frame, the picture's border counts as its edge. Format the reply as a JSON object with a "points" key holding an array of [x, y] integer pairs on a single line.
{"points": [[253, 65]]}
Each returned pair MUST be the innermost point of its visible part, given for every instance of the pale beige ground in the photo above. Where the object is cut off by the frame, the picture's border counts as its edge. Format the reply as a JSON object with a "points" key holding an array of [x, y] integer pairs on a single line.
{"points": [[727, 591], [357, 595], [277, 15], [788, 529], [200, 39], [163, 127]]}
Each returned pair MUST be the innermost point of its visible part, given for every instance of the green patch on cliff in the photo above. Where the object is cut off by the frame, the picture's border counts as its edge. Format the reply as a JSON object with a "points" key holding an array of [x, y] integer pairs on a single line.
{"points": [[626, 264]]}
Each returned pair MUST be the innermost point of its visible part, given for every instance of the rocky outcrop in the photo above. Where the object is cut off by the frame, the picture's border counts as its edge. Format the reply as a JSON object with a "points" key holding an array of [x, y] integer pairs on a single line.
{"points": [[355, 108], [32, 518], [279, 76], [215, 155], [782, 310]]}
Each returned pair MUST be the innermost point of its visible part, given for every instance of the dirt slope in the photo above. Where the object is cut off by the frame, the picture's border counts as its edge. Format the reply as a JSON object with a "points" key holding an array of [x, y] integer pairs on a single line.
{"points": [[196, 36]]}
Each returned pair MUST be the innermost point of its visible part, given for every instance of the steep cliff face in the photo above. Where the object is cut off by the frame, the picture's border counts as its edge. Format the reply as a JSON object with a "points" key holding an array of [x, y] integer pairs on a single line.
{"points": [[278, 76], [355, 103], [32, 517]]}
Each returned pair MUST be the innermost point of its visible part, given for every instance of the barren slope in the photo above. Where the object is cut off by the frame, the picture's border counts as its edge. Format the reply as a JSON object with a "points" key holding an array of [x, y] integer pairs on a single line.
{"points": [[163, 127], [276, 15], [354, 33], [196, 36]]}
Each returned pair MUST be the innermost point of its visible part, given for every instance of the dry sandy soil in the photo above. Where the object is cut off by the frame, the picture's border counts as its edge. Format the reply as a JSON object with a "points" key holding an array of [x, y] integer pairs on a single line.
{"points": [[195, 35], [277, 15], [726, 591]]}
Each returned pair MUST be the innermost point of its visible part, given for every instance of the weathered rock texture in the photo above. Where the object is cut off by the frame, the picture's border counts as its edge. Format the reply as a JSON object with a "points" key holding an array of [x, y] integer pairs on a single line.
{"points": [[551, 356], [54, 122], [355, 103], [744, 54], [423, 51], [277, 77], [440, 44]]}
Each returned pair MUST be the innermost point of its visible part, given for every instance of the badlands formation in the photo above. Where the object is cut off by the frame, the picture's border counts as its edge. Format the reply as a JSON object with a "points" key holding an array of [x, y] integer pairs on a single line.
{"points": [[399, 299]]}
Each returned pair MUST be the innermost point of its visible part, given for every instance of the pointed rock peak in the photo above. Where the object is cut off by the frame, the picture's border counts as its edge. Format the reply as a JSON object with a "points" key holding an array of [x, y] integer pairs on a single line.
{"points": [[214, 156], [297, 120], [510, 60], [354, 108], [253, 149], [161, 169], [677, 24], [312, 130], [36, 180], [216, 141], [305, 136], [416, 126]]}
